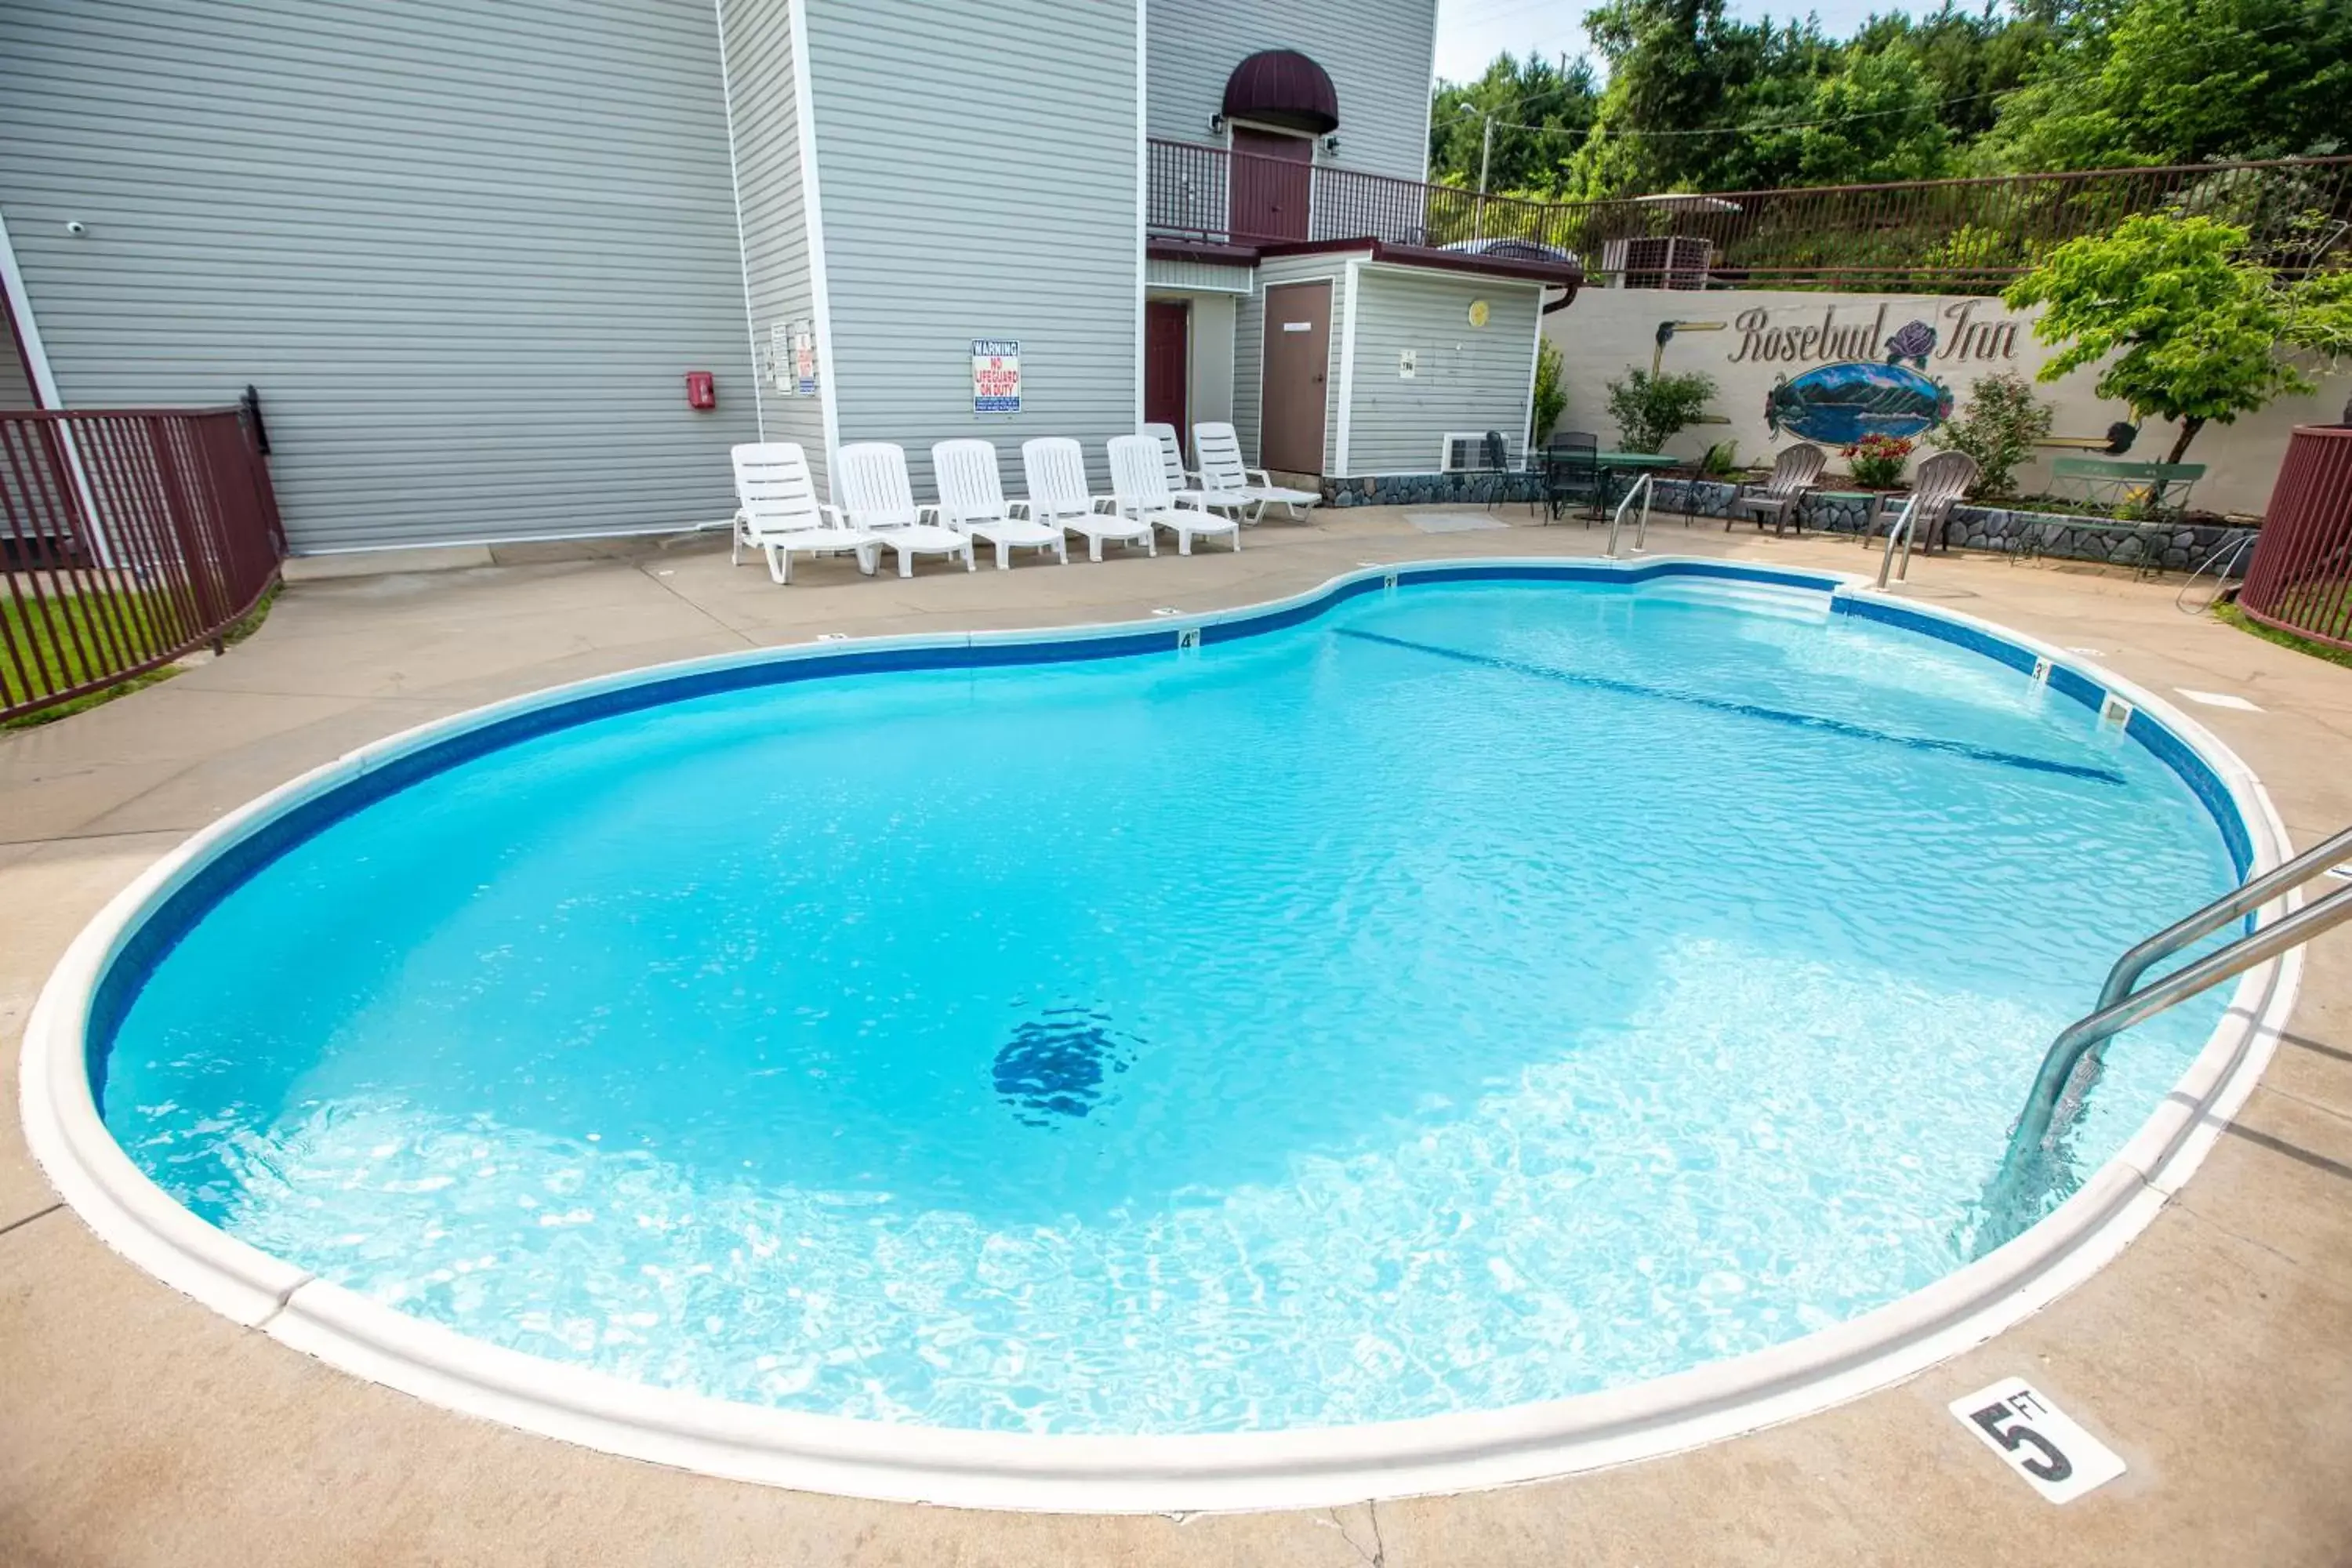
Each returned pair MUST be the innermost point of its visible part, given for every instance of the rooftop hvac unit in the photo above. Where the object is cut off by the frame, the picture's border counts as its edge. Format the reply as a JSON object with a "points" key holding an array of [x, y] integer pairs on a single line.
{"points": [[1670, 261]]}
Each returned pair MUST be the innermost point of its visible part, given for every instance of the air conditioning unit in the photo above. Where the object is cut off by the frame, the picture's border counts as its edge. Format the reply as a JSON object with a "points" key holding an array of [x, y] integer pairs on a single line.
{"points": [[1466, 452], [1668, 261]]}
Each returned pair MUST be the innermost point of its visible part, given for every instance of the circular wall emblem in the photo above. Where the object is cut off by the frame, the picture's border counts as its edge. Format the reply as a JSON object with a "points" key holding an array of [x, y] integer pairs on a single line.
{"points": [[1477, 312]]}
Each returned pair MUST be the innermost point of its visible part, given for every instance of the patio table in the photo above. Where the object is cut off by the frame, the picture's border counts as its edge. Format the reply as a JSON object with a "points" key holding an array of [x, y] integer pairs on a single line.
{"points": [[1612, 464]]}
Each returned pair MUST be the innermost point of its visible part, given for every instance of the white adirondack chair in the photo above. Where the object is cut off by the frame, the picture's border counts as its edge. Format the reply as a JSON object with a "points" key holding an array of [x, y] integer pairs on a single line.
{"points": [[1053, 467], [871, 488], [779, 513], [1183, 487], [1138, 485], [1218, 450], [971, 500]]}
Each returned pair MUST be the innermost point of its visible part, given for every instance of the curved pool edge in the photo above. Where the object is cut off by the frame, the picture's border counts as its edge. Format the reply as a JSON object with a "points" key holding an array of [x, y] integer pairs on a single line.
{"points": [[1301, 1467]]}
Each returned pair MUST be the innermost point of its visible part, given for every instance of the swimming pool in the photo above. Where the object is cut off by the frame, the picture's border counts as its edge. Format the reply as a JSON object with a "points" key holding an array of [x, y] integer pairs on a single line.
{"points": [[1431, 1000]]}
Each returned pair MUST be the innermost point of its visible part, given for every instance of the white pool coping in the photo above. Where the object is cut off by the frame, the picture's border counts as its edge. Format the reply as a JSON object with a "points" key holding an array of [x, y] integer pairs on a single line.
{"points": [[1293, 1468]]}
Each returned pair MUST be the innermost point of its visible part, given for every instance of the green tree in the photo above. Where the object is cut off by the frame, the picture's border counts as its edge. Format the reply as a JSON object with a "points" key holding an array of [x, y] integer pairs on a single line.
{"points": [[1682, 67], [1970, 58], [1696, 99], [2182, 81], [1874, 119], [2189, 330], [1540, 111]]}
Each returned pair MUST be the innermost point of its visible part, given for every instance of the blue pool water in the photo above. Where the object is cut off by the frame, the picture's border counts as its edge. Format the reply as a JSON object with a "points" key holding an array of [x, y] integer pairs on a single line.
{"points": [[1479, 993]]}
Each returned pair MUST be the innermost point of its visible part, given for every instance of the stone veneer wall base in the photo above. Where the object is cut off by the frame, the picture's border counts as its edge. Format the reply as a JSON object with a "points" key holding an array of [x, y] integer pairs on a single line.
{"points": [[2180, 547]]}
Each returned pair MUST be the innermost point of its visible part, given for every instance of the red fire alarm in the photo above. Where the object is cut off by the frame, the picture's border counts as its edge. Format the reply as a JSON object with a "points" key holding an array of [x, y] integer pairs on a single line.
{"points": [[701, 390]]}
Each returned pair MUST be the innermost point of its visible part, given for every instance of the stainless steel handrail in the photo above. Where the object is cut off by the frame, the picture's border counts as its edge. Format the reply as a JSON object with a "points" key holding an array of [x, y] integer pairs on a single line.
{"points": [[2221, 562], [1641, 487], [1901, 529], [2012, 1197]]}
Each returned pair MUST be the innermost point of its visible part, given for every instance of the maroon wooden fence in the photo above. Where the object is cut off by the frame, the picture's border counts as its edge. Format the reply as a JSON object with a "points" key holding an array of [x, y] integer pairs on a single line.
{"points": [[128, 538], [2301, 579]]}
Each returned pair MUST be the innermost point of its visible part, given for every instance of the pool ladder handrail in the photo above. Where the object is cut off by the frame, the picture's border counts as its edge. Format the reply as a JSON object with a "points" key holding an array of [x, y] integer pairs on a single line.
{"points": [[1902, 530], [1641, 487], [2124, 1003]]}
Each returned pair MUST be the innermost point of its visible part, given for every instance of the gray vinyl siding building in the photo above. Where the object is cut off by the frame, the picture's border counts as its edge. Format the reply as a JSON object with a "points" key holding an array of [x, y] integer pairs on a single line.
{"points": [[16, 384], [1380, 55], [1020, 135], [1467, 379], [763, 107], [469, 252], [466, 252]]}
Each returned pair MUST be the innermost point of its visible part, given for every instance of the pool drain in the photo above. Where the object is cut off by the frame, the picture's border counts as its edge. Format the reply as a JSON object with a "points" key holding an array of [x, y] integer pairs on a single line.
{"points": [[1059, 1067]]}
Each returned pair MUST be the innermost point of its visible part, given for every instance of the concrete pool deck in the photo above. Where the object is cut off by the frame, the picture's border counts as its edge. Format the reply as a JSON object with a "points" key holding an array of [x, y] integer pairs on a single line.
{"points": [[2215, 1356]]}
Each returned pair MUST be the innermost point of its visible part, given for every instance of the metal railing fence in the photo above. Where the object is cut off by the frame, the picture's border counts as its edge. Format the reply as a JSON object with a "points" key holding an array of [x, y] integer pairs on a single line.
{"points": [[128, 538]]}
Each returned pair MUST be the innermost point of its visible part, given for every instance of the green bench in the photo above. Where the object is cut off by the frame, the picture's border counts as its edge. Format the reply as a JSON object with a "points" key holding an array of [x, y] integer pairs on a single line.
{"points": [[2158, 487]]}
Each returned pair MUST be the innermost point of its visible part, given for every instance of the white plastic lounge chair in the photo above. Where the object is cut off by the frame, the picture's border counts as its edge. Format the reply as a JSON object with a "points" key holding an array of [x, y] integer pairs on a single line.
{"points": [[1218, 450], [1055, 469], [1184, 488], [871, 488], [971, 500], [1139, 490], [779, 513]]}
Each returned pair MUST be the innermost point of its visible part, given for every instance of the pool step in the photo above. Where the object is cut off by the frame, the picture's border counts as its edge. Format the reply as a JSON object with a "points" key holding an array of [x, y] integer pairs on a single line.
{"points": [[1784, 600]]}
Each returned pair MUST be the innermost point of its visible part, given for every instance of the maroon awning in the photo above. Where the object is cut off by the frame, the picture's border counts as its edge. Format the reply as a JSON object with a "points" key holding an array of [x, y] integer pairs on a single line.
{"points": [[1283, 87]]}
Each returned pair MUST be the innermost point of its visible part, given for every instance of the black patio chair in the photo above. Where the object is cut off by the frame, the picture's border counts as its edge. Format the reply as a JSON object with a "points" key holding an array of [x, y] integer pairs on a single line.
{"points": [[1571, 471], [1495, 457]]}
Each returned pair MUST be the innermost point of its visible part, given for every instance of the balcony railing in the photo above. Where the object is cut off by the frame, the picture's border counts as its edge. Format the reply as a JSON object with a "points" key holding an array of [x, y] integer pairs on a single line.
{"points": [[1940, 234], [1213, 196]]}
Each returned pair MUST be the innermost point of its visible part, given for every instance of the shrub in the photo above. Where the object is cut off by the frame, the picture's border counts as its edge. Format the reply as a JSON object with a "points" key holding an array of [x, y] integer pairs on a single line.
{"points": [[1722, 460], [1650, 410], [1877, 461], [1551, 401], [1997, 428]]}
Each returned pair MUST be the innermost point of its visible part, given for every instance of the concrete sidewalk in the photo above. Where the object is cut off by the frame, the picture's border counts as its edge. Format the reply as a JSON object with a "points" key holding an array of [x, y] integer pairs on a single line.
{"points": [[137, 1427]]}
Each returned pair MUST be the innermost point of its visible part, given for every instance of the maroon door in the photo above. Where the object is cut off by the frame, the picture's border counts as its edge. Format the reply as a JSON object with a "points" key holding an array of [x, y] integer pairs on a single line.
{"points": [[1273, 185], [1167, 360], [1292, 388]]}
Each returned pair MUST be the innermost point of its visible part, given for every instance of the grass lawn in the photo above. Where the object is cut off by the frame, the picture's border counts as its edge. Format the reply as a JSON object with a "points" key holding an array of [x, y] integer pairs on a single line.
{"points": [[52, 635], [2232, 615]]}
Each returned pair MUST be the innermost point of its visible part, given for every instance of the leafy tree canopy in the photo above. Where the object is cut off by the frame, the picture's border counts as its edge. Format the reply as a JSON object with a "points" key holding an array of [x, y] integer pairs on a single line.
{"points": [[1694, 98], [2196, 332], [1542, 112]]}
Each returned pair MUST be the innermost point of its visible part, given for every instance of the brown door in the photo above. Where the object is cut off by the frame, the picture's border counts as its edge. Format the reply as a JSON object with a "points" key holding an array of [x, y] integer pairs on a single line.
{"points": [[1274, 184], [1167, 359], [1297, 360]]}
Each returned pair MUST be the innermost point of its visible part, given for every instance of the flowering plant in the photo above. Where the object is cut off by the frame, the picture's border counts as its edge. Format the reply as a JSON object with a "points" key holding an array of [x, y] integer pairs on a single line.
{"points": [[1877, 461]]}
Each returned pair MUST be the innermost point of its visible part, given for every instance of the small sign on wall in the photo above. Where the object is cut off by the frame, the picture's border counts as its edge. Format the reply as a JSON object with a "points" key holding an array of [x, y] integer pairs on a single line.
{"points": [[791, 357], [1408, 364], [804, 358], [996, 375]]}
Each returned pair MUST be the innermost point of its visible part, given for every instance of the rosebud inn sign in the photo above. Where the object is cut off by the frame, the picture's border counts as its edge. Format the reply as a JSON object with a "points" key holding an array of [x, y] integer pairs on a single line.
{"points": [[1833, 338]]}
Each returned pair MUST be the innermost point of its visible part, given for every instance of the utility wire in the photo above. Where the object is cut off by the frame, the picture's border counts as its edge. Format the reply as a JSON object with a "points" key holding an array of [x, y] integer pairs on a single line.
{"points": [[1750, 127]]}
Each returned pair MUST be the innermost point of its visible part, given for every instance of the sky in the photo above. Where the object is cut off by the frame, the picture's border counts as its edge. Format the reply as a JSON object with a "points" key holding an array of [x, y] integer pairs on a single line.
{"points": [[1470, 33]]}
